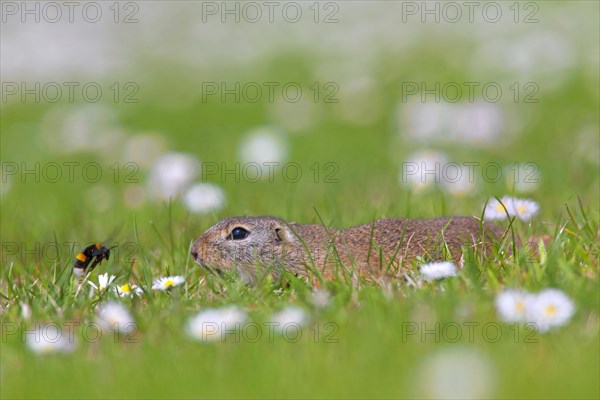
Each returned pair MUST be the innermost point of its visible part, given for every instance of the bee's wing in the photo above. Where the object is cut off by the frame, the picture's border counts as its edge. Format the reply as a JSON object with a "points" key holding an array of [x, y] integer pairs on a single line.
{"points": [[112, 236]]}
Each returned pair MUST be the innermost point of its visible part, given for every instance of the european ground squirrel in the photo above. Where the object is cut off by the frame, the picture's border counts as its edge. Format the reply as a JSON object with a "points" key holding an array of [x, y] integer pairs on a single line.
{"points": [[253, 246]]}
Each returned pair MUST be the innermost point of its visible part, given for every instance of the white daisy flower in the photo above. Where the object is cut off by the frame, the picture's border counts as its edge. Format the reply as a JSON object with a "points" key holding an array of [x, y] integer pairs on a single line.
{"points": [[144, 149], [172, 174], [477, 123], [426, 122], [320, 298], [127, 290], [264, 144], [214, 323], [438, 270], [70, 128], [103, 282], [497, 210], [549, 309], [166, 283], [423, 169], [288, 316], [512, 305], [525, 209], [458, 183], [49, 339], [204, 198], [115, 317]]}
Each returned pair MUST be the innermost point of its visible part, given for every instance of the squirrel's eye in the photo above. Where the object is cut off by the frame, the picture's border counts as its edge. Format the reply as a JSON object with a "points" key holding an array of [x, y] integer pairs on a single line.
{"points": [[238, 234]]}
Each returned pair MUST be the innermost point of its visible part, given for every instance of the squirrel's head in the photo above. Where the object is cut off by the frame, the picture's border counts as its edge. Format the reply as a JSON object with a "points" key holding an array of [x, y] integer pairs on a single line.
{"points": [[248, 246]]}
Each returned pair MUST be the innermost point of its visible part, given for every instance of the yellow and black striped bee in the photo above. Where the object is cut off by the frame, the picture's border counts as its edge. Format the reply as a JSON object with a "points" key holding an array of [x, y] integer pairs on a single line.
{"points": [[96, 252]]}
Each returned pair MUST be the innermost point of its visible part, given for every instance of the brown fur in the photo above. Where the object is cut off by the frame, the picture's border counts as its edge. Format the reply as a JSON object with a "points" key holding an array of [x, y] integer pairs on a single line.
{"points": [[382, 247]]}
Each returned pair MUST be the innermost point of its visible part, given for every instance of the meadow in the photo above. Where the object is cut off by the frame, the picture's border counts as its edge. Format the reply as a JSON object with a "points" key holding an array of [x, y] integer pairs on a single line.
{"points": [[178, 159]]}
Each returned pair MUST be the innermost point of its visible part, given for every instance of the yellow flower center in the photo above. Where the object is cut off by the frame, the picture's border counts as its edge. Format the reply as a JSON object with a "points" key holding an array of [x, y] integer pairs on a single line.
{"points": [[520, 307], [169, 283], [500, 208], [47, 348], [521, 209], [126, 288], [550, 310]]}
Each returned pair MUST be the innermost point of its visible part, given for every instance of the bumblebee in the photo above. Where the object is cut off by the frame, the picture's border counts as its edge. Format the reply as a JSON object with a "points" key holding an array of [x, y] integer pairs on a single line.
{"points": [[95, 253]]}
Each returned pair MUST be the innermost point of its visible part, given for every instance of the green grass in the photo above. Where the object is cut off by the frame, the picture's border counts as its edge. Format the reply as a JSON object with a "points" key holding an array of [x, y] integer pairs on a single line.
{"points": [[369, 353]]}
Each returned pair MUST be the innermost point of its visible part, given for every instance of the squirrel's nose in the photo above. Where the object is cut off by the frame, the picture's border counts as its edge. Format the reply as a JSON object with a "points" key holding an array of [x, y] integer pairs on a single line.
{"points": [[194, 254]]}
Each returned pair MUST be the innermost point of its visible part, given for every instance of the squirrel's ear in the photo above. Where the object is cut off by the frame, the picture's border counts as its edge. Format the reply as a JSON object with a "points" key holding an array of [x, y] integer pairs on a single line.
{"points": [[282, 234], [279, 234]]}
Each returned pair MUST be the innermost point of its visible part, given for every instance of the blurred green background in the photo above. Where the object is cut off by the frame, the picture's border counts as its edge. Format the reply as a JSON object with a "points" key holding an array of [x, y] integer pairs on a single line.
{"points": [[351, 133]]}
